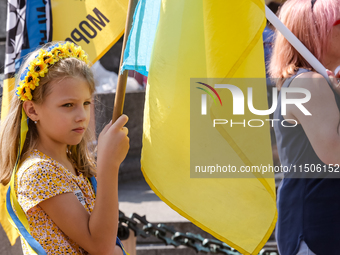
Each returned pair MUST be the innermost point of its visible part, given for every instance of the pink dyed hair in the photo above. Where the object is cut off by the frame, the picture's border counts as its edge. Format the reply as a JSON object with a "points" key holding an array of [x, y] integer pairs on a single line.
{"points": [[312, 27]]}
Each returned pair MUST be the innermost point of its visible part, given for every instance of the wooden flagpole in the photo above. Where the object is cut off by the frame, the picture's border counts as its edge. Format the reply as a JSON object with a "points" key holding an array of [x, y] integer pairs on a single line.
{"points": [[130, 243], [122, 77]]}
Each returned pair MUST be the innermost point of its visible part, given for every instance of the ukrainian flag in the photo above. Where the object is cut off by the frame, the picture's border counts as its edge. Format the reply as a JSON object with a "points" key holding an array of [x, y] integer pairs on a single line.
{"points": [[204, 39]]}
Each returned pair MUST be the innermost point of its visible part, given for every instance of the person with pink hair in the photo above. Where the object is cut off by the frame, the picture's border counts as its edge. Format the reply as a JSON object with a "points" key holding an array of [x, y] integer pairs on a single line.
{"points": [[308, 198]]}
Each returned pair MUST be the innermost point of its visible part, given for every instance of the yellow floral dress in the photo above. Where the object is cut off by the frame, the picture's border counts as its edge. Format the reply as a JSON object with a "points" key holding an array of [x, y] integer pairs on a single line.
{"points": [[39, 178]]}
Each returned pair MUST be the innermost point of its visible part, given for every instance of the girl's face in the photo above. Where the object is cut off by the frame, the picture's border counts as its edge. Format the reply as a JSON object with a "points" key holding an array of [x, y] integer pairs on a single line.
{"points": [[65, 113]]}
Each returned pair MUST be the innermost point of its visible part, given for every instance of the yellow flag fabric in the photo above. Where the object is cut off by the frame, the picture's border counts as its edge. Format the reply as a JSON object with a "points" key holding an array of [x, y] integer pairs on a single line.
{"points": [[6, 225], [94, 25], [207, 39], [11, 232], [8, 86]]}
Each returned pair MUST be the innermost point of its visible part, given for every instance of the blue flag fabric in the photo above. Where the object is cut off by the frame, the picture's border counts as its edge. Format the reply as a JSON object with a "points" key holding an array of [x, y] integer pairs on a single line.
{"points": [[138, 49], [38, 25]]}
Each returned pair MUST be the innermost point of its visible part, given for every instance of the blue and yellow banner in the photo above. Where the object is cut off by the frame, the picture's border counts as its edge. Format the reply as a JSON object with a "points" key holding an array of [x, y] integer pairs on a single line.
{"points": [[205, 39]]}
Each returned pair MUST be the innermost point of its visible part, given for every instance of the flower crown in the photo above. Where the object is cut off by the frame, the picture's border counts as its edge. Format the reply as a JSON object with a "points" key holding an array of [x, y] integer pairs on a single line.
{"points": [[38, 67]]}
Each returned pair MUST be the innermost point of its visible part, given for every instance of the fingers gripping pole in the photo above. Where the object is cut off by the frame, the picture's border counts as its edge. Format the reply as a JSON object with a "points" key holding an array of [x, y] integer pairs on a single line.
{"points": [[296, 43]]}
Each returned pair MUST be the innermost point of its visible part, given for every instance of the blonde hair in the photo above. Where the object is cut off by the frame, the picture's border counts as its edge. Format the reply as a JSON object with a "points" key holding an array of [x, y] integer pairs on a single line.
{"points": [[311, 25], [80, 154]]}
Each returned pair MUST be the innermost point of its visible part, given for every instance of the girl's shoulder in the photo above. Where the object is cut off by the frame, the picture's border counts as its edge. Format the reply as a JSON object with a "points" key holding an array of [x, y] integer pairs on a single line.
{"points": [[312, 81], [40, 177], [34, 157], [37, 160], [40, 168]]}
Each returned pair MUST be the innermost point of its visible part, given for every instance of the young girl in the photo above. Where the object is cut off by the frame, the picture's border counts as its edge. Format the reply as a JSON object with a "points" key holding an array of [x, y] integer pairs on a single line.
{"points": [[51, 183]]}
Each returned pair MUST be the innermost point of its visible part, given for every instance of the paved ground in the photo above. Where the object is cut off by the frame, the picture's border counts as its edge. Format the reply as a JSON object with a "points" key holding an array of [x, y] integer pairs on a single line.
{"points": [[5, 246], [137, 197]]}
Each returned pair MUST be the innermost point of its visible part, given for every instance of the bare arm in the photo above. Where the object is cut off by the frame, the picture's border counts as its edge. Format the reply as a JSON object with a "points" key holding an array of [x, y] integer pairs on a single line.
{"points": [[96, 233], [322, 127]]}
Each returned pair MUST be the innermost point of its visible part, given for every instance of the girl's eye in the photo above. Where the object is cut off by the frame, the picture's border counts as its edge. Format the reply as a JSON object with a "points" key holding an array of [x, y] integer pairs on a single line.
{"points": [[87, 103], [67, 105]]}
